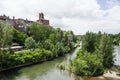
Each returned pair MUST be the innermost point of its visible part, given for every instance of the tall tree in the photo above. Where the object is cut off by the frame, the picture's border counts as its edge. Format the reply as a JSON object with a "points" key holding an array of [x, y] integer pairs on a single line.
{"points": [[106, 50], [30, 43], [6, 36], [89, 42]]}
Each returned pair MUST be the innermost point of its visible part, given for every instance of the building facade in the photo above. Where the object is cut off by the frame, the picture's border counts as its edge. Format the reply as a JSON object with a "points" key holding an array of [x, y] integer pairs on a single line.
{"points": [[41, 19], [21, 24]]}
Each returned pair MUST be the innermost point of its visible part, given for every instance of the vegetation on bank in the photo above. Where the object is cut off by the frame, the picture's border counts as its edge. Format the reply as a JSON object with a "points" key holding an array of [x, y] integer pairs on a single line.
{"points": [[118, 67], [116, 39], [43, 42], [95, 56]]}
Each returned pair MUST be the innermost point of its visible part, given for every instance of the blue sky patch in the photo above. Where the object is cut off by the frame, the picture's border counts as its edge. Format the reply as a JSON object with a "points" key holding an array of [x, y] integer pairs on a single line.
{"points": [[106, 3]]}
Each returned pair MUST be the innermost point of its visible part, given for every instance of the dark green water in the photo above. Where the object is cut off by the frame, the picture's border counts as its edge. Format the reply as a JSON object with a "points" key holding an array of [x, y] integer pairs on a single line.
{"points": [[46, 71]]}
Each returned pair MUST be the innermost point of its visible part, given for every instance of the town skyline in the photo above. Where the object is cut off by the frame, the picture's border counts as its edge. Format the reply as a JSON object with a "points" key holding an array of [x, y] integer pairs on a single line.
{"points": [[79, 16]]}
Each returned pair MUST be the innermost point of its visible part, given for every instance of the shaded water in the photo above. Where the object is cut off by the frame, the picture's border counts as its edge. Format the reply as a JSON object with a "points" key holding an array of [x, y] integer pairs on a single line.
{"points": [[47, 71]]}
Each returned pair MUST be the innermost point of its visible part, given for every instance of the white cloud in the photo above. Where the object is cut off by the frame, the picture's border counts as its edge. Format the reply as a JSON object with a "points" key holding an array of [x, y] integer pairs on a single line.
{"points": [[112, 3], [77, 15]]}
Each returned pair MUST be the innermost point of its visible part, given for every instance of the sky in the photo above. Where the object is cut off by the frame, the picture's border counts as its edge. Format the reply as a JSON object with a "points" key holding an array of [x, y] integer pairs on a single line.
{"points": [[79, 16]]}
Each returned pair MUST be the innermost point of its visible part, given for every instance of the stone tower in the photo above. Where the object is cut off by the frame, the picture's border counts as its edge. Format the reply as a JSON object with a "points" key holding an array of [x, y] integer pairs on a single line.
{"points": [[41, 19], [41, 16]]}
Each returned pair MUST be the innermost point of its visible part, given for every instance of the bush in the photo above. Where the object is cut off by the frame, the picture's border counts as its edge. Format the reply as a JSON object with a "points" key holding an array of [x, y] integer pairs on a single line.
{"points": [[19, 37], [23, 57], [30, 43], [86, 64], [95, 56], [59, 49]]}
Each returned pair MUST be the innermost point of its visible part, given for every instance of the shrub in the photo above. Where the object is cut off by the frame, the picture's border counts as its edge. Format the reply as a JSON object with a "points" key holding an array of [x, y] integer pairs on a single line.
{"points": [[87, 64], [30, 43]]}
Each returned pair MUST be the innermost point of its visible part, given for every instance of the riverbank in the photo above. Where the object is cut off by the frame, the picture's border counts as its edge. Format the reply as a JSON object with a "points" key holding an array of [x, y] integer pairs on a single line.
{"points": [[109, 75], [24, 65], [48, 71], [31, 63], [112, 74]]}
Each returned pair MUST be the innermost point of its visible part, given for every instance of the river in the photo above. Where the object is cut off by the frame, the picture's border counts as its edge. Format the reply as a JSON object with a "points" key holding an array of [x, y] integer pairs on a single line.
{"points": [[49, 71], [117, 55]]}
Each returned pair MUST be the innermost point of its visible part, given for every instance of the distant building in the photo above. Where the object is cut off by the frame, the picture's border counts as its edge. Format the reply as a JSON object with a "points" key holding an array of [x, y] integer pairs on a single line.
{"points": [[4, 17], [21, 24], [70, 36], [41, 19]]}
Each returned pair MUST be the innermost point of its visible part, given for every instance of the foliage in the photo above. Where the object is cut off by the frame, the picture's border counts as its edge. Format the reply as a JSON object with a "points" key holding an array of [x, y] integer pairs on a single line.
{"points": [[105, 51], [30, 43], [95, 55], [61, 66], [116, 38], [51, 39], [6, 36], [19, 37], [28, 56], [86, 64], [39, 32], [118, 67], [59, 49], [47, 42], [88, 42]]}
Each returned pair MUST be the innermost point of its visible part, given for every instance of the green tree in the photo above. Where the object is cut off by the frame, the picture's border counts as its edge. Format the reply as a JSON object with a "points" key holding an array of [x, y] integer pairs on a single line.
{"points": [[52, 37], [39, 32], [59, 34], [1, 33], [59, 49], [48, 44], [95, 55], [6, 36], [105, 51], [86, 64], [30, 43], [19, 37], [88, 42]]}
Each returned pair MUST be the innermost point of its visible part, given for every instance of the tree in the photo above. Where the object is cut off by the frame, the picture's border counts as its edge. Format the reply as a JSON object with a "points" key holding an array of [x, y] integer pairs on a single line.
{"points": [[1, 33], [30, 43], [86, 64], [105, 51], [6, 36], [59, 49], [59, 34], [89, 42], [48, 44], [52, 37], [19, 37], [95, 55], [39, 32]]}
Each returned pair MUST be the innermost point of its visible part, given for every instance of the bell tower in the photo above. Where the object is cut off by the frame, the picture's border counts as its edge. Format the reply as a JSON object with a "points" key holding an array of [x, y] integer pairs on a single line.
{"points": [[41, 19], [41, 16]]}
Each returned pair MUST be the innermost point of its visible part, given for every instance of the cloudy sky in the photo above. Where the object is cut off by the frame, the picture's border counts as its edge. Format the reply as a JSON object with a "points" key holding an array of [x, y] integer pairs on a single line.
{"points": [[79, 16]]}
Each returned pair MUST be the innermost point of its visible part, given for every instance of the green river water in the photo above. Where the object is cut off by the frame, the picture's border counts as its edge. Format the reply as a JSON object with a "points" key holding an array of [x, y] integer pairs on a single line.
{"points": [[49, 71]]}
